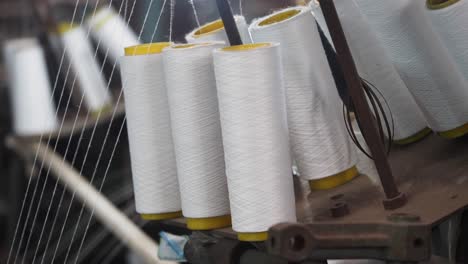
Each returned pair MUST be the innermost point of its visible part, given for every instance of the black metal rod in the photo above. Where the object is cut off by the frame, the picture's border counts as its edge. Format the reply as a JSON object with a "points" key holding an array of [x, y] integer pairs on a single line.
{"points": [[394, 198], [335, 67], [226, 15]]}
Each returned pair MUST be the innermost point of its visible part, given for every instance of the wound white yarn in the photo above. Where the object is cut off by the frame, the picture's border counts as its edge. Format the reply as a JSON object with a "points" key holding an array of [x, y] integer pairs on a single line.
{"points": [[450, 22], [422, 60], [149, 130], [29, 87], [319, 140], [318, 14], [220, 33], [255, 137], [375, 66], [88, 73], [196, 129], [111, 30]]}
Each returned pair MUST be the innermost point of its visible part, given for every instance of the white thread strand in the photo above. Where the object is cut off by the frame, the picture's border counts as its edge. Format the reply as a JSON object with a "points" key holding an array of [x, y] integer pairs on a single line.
{"points": [[30, 88], [421, 59], [90, 142], [112, 31], [450, 23], [375, 66], [319, 140], [149, 128], [91, 82], [66, 151], [68, 145], [118, 100], [196, 130], [192, 3], [255, 137], [120, 131], [171, 20], [241, 12], [219, 33], [42, 163]]}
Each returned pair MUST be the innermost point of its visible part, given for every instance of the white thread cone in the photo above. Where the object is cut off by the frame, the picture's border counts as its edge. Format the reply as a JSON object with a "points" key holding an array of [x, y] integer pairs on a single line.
{"points": [[422, 60], [89, 78], [149, 130], [30, 88], [320, 143], [450, 23], [196, 129], [375, 66], [214, 31], [255, 137], [112, 32]]}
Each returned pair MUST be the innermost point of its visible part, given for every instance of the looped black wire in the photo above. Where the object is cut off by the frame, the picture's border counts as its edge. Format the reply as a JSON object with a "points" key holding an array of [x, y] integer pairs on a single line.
{"points": [[385, 126]]}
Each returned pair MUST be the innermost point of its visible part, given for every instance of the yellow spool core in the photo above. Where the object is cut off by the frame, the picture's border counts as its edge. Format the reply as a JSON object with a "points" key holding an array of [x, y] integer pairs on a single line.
{"points": [[104, 110], [253, 237], [209, 223], [145, 49], [414, 138], [103, 21], [62, 28], [455, 133], [245, 47], [158, 217], [334, 180], [185, 46], [440, 4], [281, 16], [209, 28]]}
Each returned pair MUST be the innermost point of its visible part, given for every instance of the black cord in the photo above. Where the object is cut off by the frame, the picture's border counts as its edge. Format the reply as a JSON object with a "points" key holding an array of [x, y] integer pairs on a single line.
{"points": [[385, 124]]}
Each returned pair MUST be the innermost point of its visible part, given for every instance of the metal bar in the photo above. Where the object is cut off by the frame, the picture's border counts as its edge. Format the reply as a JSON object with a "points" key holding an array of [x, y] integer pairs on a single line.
{"points": [[105, 211], [232, 32], [394, 199]]}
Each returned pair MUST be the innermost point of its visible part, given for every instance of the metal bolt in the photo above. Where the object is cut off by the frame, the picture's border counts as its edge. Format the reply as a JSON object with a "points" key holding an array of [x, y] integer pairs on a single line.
{"points": [[339, 209]]}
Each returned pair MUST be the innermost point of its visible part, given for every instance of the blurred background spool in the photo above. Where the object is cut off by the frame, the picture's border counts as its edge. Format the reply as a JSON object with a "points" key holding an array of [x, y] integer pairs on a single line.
{"points": [[197, 136], [30, 88], [149, 130], [81, 57], [450, 20], [113, 33], [320, 144], [375, 66], [422, 60], [214, 31], [255, 136]]}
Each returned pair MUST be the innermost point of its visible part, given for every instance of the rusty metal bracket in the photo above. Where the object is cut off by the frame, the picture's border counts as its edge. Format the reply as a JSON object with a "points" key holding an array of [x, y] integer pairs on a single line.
{"points": [[391, 241]]}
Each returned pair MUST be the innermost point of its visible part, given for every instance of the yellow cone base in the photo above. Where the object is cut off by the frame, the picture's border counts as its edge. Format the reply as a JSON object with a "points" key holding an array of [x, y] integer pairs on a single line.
{"points": [[334, 180], [414, 138], [63, 28], [252, 237], [209, 223], [439, 4], [158, 217], [455, 133], [104, 110]]}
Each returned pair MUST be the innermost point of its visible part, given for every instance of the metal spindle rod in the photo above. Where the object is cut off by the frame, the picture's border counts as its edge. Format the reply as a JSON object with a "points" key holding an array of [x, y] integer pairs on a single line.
{"points": [[394, 199], [229, 22]]}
